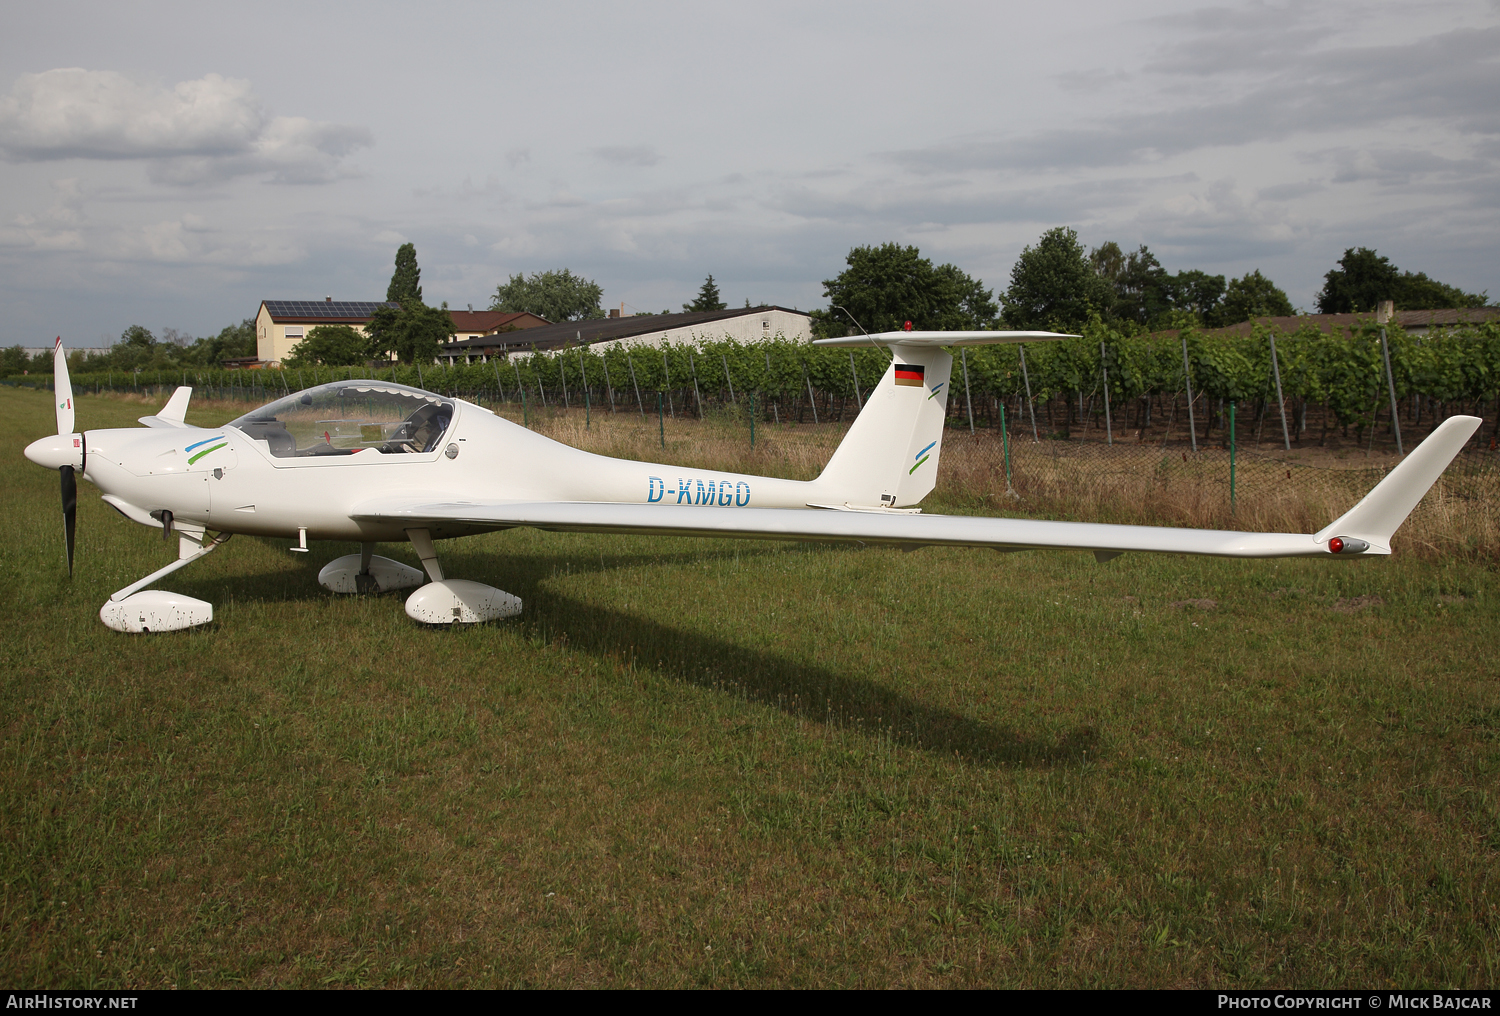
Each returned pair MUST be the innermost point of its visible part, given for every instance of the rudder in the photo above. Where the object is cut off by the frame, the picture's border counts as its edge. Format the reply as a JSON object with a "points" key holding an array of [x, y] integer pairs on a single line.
{"points": [[890, 456]]}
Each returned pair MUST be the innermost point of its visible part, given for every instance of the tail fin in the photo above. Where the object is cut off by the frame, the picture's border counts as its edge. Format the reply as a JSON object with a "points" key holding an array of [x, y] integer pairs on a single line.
{"points": [[890, 456], [1380, 513]]}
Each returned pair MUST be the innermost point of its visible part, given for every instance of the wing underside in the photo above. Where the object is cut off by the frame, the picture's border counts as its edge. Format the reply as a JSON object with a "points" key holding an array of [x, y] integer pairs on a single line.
{"points": [[836, 526]]}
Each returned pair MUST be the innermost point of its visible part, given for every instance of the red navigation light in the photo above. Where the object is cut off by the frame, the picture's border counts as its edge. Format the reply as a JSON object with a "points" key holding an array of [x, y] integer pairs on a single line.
{"points": [[908, 326], [1335, 545]]}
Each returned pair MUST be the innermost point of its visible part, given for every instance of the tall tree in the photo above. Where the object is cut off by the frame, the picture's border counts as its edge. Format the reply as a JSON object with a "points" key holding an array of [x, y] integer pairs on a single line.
{"points": [[554, 296], [406, 281], [1053, 284], [1249, 297], [884, 287], [1362, 279], [1198, 293], [414, 332], [708, 298]]}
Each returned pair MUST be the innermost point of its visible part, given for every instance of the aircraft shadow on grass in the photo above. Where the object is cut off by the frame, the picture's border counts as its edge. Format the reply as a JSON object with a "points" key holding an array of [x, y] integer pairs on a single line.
{"points": [[815, 693]]}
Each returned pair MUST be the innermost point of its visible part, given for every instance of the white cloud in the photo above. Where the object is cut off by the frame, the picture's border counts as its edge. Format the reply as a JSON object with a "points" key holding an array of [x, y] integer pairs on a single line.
{"points": [[203, 131]]}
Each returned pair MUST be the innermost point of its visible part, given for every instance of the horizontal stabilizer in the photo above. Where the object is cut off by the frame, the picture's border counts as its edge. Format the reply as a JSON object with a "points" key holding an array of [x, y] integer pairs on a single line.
{"points": [[942, 338]]}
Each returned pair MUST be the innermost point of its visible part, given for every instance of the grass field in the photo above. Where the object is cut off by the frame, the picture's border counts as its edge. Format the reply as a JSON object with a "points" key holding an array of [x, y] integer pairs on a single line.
{"points": [[740, 764]]}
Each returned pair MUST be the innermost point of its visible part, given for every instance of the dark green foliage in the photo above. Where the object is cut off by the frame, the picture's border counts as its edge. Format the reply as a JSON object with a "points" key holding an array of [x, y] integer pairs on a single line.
{"points": [[1364, 278], [14, 360], [554, 296], [708, 298], [1053, 284], [414, 332], [331, 346], [886, 286], [406, 281], [1199, 294], [1250, 297]]}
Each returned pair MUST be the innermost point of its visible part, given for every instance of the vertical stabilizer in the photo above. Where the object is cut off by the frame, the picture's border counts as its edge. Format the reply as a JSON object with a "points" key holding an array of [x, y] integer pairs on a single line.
{"points": [[890, 456]]}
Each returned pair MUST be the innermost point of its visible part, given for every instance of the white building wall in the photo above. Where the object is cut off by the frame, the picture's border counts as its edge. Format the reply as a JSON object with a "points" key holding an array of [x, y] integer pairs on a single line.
{"points": [[751, 327]]}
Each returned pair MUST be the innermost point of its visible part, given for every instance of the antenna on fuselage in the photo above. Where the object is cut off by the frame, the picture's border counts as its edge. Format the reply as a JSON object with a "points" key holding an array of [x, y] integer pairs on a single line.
{"points": [[860, 327]]}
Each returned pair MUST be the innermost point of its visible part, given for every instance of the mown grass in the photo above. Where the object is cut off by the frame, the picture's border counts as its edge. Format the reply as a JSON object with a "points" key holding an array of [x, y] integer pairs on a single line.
{"points": [[723, 764]]}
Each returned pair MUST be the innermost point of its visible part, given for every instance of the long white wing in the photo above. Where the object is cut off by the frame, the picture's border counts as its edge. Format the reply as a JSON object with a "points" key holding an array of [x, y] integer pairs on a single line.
{"points": [[1371, 522], [843, 526]]}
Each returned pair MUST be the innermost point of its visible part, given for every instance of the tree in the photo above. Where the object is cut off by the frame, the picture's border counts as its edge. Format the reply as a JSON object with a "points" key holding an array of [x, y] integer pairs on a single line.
{"points": [[1054, 284], [1249, 297], [1416, 291], [406, 281], [413, 331], [330, 346], [708, 298], [1364, 278], [14, 360], [553, 296], [886, 286], [1199, 294]]}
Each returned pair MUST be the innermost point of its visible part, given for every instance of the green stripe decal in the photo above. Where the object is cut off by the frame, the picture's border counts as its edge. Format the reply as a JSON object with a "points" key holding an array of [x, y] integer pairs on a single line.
{"points": [[216, 447], [913, 469]]}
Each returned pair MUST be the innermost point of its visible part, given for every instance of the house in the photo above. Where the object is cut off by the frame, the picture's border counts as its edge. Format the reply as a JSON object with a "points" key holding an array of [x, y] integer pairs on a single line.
{"points": [[281, 324], [747, 324], [474, 324]]}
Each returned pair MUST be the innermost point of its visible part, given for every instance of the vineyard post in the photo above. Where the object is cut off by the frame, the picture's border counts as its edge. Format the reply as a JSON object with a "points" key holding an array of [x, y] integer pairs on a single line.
{"points": [[525, 416], [608, 386], [964, 359], [697, 396], [1030, 406], [638, 403], [727, 379], [752, 421], [1005, 445], [858, 402], [1231, 458], [499, 387], [666, 371], [1390, 380], [520, 385], [1187, 380], [585, 375], [1109, 428], [1276, 370], [810, 400], [661, 421]]}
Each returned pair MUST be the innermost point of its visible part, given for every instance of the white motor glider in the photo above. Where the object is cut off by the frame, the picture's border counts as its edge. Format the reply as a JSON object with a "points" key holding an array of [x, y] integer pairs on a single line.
{"points": [[372, 461]]}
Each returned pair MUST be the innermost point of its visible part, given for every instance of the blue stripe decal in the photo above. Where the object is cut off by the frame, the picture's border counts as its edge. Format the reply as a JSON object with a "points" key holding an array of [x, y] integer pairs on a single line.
{"points": [[924, 451], [203, 442]]}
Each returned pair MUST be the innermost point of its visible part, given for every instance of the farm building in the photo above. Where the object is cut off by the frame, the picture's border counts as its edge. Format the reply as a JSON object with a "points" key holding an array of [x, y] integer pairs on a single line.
{"points": [[281, 324], [746, 324]]}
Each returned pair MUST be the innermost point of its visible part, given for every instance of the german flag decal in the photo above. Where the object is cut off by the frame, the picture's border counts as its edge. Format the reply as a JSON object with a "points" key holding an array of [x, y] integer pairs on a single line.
{"points": [[909, 375]]}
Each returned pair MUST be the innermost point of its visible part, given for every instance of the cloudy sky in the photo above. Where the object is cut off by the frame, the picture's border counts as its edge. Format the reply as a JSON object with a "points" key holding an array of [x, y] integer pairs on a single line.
{"points": [[172, 164]]}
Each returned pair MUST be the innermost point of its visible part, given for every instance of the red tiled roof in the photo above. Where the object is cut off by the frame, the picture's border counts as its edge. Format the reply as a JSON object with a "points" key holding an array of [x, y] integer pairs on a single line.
{"points": [[486, 321]]}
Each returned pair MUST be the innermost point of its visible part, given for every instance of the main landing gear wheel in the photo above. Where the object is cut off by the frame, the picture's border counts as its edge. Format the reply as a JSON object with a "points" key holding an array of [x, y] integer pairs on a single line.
{"points": [[454, 601]]}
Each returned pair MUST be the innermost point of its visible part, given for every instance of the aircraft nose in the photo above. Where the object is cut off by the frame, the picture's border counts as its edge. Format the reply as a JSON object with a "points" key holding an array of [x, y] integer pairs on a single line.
{"points": [[57, 450]]}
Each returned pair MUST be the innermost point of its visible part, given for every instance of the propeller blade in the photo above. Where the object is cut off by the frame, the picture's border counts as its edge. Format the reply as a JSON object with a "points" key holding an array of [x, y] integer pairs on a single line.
{"points": [[70, 510], [62, 387]]}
